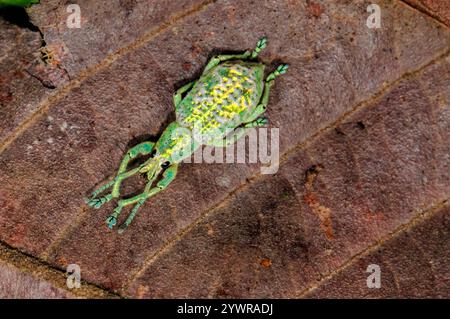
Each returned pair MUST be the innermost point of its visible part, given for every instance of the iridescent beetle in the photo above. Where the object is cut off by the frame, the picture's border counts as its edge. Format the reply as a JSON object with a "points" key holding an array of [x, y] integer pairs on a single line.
{"points": [[231, 93]]}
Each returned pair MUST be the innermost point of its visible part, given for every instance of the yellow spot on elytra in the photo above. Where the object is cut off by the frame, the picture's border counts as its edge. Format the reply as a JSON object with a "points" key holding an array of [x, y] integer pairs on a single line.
{"points": [[221, 99], [233, 71]]}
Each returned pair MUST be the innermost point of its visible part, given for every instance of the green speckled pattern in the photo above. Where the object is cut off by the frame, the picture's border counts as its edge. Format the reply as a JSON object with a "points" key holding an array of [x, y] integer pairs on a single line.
{"points": [[219, 99]]}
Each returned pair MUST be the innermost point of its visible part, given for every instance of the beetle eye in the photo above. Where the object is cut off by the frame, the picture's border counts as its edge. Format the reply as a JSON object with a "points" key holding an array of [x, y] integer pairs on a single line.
{"points": [[165, 164]]}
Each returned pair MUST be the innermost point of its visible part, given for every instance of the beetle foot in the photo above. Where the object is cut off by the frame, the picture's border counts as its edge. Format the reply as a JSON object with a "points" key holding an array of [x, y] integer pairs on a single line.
{"points": [[111, 221], [259, 47], [98, 202], [262, 121], [281, 69], [261, 43]]}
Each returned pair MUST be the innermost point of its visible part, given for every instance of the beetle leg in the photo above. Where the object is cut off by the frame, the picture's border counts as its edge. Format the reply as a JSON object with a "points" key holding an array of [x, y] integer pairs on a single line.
{"points": [[140, 149], [237, 133], [252, 120], [221, 58], [144, 148], [180, 91], [261, 121], [253, 115], [168, 176], [102, 188], [247, 54]]}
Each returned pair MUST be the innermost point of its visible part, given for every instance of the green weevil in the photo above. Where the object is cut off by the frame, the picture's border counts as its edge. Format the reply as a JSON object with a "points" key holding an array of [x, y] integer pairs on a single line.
{"points": [[231, 93]]}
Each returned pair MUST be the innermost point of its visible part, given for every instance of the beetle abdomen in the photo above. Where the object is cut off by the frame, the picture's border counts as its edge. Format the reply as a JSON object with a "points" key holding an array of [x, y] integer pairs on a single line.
{"points": [[221, 96]]}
